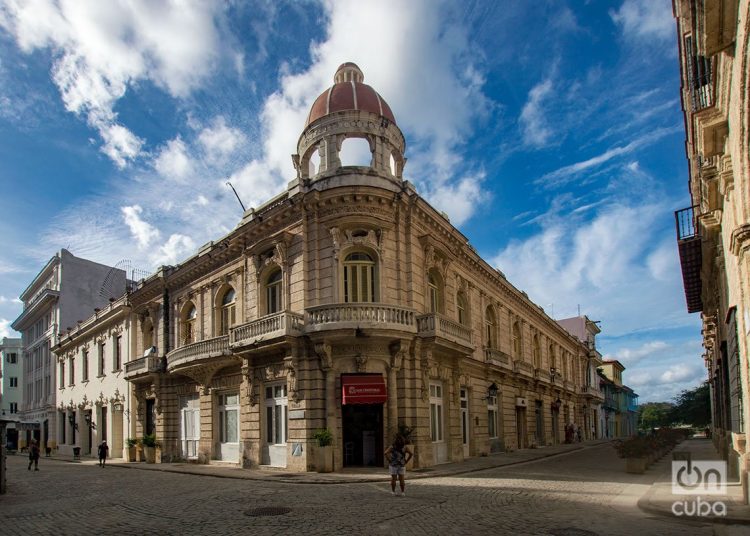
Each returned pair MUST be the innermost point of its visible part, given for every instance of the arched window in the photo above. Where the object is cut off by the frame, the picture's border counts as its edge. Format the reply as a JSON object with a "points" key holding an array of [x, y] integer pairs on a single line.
{"points": [[273, 292], [462, 307], [490, 327], [359, 278], [516, 341], [189, 314], [355, 152], [537, 353], [435, 291], [552, 360], [227, 311]]}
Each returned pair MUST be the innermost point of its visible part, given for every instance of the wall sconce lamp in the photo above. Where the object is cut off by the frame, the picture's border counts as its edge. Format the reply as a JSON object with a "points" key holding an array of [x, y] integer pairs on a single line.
{"points": [[552, 373], [491, 391], [72, 420], [556, 404], [87, 417], [117, 406]]}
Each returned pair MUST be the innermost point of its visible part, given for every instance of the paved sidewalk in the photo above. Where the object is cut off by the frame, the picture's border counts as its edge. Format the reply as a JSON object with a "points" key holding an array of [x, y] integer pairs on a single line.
{"points": [[660, 500]]}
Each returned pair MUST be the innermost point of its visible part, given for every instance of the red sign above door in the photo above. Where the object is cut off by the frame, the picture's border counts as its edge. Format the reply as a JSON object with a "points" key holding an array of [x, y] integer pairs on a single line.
{"points": [[363, 389]]}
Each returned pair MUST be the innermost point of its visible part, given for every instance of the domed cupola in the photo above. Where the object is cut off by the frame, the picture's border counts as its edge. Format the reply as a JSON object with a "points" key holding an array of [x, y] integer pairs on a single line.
{"points": [[350, 109]]}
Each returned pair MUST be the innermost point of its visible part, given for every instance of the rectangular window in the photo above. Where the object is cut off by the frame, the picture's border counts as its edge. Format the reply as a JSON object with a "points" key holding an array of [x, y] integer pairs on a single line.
{"points": [[436, 412], [14, 407], [276, 414], [62, 375], [85, 366], [71, 372], [492, 417], [100, 359], [12, 358], [117, 354], [13, 382]]}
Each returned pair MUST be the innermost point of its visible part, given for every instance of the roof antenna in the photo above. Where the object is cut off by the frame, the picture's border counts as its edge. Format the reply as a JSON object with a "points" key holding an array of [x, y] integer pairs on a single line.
{"points": [[579, 309], [236, 195]]}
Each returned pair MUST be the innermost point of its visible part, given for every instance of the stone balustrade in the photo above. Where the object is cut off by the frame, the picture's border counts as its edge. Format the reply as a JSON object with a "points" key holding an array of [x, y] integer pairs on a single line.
{"points": [[359, 315], [522, 367], [143, 366], [268, 327], [196, 351], [436, 325], [497, 357]]}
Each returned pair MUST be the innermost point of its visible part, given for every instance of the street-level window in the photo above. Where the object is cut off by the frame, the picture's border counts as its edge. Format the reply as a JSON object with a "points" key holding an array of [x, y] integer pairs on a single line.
{"points": [[492, 416], [276, 414], [436, 412], [14, 407]]}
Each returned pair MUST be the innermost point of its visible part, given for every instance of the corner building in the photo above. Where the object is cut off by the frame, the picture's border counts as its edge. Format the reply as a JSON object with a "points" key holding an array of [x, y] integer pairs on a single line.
{"points": [[349, 303]]}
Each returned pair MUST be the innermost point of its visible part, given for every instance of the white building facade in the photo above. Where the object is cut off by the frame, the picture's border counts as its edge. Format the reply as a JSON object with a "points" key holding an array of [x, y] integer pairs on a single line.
{"points": [[11, 388]]}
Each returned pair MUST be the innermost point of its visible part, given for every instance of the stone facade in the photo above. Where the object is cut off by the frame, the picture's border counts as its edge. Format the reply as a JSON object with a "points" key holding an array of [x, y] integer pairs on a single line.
{"points": [[714, 40], [347, 276]]}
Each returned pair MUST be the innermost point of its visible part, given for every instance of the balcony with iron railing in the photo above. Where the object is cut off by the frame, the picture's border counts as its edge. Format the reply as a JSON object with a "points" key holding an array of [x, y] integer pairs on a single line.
{"points": [[689, 247], [359, 316], [197, 353], [284, 324], [440, 327]]}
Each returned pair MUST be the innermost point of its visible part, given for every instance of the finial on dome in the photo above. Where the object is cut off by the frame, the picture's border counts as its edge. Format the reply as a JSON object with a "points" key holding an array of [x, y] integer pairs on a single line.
{"points": [[348, 72]]}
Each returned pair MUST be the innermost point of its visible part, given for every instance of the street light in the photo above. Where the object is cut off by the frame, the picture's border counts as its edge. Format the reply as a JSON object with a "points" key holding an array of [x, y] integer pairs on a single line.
{"points": [[491, 391]]}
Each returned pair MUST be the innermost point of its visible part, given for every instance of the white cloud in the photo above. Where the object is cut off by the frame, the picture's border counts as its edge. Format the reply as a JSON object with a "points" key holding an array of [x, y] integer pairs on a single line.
{"points": [[174, 250], [5, 330], [460, 200], [630, 357], [102, 48], [533, 120], [220, 141], [141, 230], [173, 162], [645, 20]]}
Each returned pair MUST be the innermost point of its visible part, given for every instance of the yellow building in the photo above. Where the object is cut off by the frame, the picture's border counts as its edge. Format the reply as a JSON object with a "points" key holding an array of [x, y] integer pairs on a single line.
{"points": [[347, 302], [714, 232]]}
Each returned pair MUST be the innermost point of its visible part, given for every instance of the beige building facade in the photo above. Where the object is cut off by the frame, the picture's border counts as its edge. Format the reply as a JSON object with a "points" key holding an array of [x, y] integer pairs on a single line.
{"points": [[347, 302], [714, 232]]}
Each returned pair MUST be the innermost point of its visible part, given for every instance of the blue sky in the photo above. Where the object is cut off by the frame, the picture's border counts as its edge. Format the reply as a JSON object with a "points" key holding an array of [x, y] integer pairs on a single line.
{"points": [[549, 131]]}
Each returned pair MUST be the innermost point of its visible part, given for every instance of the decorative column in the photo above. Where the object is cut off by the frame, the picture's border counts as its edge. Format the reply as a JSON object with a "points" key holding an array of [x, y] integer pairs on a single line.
{"points": [[397, 351]]}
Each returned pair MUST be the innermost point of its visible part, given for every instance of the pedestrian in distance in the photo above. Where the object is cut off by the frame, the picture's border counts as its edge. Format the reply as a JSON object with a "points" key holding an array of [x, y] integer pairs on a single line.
{"points": [[103, 452], [398, 455], [34, 455]]}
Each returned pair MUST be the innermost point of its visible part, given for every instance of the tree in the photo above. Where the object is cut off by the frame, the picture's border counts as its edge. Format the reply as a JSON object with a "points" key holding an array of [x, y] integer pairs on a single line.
{"points": [[692, 407], [654, 415]]}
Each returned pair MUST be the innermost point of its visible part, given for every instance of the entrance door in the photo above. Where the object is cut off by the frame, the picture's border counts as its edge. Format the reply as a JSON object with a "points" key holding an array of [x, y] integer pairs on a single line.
{"points": [[555, 426], [521, 427], [363, 434], [465, 420], [229, 427], [190, 425]]}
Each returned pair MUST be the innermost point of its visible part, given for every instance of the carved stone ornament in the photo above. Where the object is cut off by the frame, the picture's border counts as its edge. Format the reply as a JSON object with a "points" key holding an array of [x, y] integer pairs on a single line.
{"points": [[361, 360], [398, 353], [325, 354], [291, 375], [347, 238]]}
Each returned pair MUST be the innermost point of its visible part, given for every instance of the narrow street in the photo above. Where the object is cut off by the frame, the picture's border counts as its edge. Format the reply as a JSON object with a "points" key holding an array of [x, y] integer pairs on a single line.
{"points": [[583, 493]]}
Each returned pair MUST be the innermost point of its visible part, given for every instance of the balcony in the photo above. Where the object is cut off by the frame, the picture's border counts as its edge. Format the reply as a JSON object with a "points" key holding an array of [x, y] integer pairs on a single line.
{"points": [[359, 316], [689, 247], [591, 392], [569, 386], [496, 357], [542, 375], [522, 367], [438, 326], [269, 327], [198, 353], [144, 367]]}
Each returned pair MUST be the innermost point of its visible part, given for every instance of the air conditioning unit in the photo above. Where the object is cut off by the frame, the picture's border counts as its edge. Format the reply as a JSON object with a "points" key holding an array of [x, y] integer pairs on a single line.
{"points": [[521, 402]]}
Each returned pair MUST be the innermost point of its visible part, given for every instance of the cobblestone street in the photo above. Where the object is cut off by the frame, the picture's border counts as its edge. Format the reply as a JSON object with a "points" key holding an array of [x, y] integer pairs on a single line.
{"points": [[581, 493]]}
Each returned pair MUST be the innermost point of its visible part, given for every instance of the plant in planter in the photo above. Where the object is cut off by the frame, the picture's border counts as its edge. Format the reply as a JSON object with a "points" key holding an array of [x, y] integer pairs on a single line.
{"points": [[132, 444], [149, 447], [636, 451], [324, 452]]}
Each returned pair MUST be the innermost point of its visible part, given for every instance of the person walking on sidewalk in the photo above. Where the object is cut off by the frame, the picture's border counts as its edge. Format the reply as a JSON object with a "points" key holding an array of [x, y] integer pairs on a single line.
{"points": [[34, 455], [398, 455], [103, 451]]}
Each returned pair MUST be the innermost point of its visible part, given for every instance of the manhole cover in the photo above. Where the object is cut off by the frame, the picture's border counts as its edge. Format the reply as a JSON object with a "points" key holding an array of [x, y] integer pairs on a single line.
{"points": [[268, 511], [572, 531]]}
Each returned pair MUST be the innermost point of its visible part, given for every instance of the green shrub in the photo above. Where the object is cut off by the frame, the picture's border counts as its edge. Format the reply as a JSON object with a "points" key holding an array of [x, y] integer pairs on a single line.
{"points": [[323, 437], [149, 440]]}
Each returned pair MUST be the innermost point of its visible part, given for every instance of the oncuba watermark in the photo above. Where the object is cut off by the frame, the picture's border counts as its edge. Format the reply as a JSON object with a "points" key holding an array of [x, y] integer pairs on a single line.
{"points": [[694, 479]]}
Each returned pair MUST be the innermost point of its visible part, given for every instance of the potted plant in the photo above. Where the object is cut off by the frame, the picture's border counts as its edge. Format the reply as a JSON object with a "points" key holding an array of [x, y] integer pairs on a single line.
{"points": [[149, 447], [132, 444], [324, 451]]}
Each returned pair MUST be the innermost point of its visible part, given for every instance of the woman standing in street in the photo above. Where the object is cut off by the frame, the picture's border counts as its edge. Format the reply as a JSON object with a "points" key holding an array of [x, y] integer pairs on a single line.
{"points": [[398, 455], [34, 455]]}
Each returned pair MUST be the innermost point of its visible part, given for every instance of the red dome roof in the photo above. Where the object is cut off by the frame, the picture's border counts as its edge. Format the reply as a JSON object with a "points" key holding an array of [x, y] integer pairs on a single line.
{"points": [[349, 93]]}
